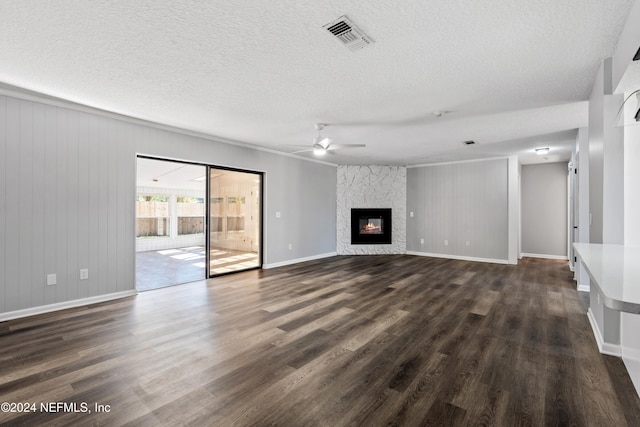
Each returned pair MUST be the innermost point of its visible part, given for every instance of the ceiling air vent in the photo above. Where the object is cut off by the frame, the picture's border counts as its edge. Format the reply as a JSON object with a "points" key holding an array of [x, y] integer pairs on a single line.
{"points": [[348, 34], [470, 142]]}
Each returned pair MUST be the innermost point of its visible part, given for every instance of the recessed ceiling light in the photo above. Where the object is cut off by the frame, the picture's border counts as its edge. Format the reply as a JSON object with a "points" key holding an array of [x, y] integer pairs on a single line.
{"points": [[542, 151]]}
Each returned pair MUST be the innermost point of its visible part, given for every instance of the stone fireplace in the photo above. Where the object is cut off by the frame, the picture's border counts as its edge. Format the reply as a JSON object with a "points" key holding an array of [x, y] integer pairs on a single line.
{"points": [[371, 226], [363, 189]]}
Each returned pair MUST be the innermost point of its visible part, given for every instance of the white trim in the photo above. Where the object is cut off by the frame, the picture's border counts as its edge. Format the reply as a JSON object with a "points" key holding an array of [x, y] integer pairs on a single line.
{"points": [[455, 162], [584, 288], [545, 256], [42, 98], [297, 260], [10, 315], [631, 360], [459, 257], [633, 354], [604, 347]]}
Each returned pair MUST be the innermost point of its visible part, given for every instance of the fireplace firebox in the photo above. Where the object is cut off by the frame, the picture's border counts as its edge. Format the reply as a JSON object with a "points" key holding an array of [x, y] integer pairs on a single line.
{"points": [[371, 226]]}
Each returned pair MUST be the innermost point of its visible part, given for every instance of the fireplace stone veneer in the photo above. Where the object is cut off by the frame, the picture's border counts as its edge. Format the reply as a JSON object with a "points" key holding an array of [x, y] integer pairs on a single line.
{"points": [[373, 186], [371, 226]]}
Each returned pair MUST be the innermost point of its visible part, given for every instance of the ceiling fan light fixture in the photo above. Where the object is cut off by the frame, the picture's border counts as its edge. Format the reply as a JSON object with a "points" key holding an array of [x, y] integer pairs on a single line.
{"points": [[319, 150]]}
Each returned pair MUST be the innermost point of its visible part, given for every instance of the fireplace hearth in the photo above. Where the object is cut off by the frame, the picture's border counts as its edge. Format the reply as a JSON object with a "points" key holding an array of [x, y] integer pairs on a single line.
{"points": [[371, 226]]}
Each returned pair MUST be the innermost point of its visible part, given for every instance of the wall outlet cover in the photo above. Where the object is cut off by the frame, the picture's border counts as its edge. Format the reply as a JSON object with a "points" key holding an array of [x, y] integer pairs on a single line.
{"points": [[51, 279]]}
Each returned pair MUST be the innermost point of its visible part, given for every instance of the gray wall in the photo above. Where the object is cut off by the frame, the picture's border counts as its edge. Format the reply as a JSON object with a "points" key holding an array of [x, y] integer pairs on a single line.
{"points": [[606, 164], [67, 193], [596, 157], [544, 209], [459, 202]]}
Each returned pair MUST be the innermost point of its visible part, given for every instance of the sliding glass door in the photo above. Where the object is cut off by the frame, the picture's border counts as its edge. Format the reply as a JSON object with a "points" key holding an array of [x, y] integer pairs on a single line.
{"points": [[235, 220]]}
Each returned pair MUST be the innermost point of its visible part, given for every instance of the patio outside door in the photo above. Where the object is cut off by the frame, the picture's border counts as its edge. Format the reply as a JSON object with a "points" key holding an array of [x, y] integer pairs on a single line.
{"points": [[235, 221]]}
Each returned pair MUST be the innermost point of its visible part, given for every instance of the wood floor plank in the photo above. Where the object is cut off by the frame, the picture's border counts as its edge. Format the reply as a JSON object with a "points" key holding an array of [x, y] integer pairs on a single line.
{"points": [[348, 340]]}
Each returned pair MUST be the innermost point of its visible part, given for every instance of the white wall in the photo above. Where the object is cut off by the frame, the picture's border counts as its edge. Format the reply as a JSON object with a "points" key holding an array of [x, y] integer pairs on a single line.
{"points": [[67, 199], [462, 202], [632, 185], [372, 187], [613, 188], [630, 323], [544, 210]]}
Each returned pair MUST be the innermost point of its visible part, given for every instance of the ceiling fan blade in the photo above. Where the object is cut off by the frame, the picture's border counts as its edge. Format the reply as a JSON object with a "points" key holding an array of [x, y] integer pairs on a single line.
{"points": [[339, 146], [308, 150], [294, 145], [325, 142]]}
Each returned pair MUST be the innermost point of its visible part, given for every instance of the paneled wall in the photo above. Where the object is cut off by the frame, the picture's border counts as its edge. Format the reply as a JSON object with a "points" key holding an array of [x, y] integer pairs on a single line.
{"points": [[460, 210], [67, 200]]}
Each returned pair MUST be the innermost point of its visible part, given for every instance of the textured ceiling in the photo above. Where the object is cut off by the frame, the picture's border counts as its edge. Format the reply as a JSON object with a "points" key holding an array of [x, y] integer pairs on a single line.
{"points": [[514, 75]]}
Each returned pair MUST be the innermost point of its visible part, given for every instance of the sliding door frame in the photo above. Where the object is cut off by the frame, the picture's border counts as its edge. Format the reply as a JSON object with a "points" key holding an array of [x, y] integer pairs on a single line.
{"points": [[208, 220]]}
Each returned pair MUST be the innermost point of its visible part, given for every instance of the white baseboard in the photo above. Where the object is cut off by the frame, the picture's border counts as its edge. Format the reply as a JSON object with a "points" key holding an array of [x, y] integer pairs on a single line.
{"points": [[42, 309], [632, 354], [605, 348], [297, 260], [631, 359], [459, 257], [584, 288], [544, 256]]}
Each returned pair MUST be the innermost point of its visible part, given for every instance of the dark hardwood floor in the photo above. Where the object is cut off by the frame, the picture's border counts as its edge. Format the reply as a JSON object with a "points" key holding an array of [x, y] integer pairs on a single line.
{"points": [[364, 340]]}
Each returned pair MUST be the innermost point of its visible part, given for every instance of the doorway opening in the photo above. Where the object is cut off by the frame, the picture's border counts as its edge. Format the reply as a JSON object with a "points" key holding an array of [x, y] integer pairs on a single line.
{"points": [[170, 223], [195, 221]]}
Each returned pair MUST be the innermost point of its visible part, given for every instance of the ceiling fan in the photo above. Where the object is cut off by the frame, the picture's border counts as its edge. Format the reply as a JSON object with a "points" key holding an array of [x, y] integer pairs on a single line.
{"points": [[322, 145]]}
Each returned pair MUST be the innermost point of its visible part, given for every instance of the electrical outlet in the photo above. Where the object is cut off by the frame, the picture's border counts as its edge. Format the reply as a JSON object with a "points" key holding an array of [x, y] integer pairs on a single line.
{"points": [[422, 241], [84, 274], [411, 214], [446, 243], [290, 246], [278, 214], [51, 279], [468, 242]]}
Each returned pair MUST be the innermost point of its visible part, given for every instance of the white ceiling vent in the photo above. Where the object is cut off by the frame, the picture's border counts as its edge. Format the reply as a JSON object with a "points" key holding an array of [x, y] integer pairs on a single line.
{"points": [[348, 34]]}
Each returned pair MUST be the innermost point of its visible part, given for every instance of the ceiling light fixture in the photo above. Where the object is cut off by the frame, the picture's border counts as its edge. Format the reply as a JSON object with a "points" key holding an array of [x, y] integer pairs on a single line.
{"points": [[542, 151], [319, 150]]}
